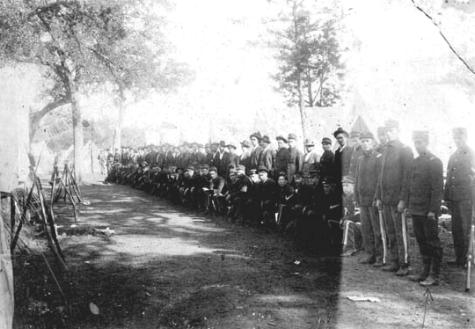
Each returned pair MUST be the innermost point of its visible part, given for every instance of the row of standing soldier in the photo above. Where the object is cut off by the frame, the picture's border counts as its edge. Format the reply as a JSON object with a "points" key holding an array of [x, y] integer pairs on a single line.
{"points": [[382, 180]]}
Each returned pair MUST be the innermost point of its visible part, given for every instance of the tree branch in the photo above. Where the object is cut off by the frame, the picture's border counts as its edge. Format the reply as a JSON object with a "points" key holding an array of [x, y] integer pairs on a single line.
{"points": [[460, 58]]}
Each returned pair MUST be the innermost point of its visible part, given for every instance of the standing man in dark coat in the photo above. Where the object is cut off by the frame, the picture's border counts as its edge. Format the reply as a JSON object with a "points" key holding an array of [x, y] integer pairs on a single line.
{"points": [[295, 157], [267, 157], [256, 150], [391, 195], [245, 158], [342, 155], [327, 158], [233, 157], [282, 156], [458, 194], [366, 178], [221, 160], [425, 195]]}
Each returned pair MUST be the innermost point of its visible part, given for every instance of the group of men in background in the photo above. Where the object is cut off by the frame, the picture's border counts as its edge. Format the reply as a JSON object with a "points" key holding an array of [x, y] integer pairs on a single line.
{"points": [[328, 200]]}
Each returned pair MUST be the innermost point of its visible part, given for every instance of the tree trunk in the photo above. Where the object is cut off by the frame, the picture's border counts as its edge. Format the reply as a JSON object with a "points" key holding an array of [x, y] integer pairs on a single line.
{"points": [[78, 138], [6, 281], [120, 120], [301, 105]]}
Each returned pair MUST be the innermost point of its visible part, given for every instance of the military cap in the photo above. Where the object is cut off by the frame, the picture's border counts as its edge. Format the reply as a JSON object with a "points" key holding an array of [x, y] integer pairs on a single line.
{"points": [[367, 135], [326, 140], [348, 180], [282, 138], [420, 135], [241, 167], [245, 143], [339, 131], [391, 124], [213, 168], [252, 171], [308, 142], [292, 136], [256, 135], [262, 168], [231, 146], [355, 134], [204, 166], [459, 131], [266, 139]]}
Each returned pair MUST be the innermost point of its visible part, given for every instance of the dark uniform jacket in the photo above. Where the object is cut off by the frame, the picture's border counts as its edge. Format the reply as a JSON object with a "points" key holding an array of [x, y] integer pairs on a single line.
{"points": [[245, 160], [221, 162], [282, 160], [326, 164], [426, 185], [366, 177], [394, 175], [342, 161], [459, 174], [255, 157], [295, 162], [267, 158]]}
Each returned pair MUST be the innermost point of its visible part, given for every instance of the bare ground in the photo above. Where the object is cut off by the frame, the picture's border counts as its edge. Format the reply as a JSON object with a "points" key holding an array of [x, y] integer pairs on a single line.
{"points": [[165, 267]]}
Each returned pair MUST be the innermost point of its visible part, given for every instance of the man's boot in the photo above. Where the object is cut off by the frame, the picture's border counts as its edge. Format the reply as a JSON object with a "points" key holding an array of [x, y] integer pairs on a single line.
{"points": [[433, 278], [425, 272], [391, 267], [403, 270]]}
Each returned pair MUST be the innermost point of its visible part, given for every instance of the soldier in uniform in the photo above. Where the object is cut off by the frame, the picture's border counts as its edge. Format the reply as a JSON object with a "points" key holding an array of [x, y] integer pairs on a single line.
{"points": [[282, 156], [366, 179], [425, 196], [458, 194], [267, 157], [342, 154], [221, 159], [391, 195], [267, 196], [295, 157], [256, 149], [326, 160]]}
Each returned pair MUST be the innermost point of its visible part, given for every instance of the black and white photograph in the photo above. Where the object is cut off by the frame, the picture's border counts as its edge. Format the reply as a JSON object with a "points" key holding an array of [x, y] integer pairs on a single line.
{"points": [[237, 164]]}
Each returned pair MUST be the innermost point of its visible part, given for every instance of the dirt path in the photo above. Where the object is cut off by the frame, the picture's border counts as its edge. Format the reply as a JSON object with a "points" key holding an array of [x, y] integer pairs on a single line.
{"points": [[168, 268]]}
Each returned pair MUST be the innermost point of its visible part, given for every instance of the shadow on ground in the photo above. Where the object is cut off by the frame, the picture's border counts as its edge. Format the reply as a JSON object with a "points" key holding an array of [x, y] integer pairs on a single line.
{"points": [[169, 268]]}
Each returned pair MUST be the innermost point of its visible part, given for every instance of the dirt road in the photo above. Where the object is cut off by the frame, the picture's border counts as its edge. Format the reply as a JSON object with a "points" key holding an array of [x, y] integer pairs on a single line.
{"points": [[164, 267]]}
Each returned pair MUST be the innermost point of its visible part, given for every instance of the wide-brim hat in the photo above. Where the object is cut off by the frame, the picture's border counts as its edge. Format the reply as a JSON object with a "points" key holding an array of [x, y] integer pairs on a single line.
{"points": [[256, 135], [265, 139]]}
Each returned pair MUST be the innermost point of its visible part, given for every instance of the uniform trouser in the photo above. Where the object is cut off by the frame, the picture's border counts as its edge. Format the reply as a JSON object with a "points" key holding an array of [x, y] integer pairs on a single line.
{"points": [[427, 236], [396, 236], [371, 232], [461, 219]]}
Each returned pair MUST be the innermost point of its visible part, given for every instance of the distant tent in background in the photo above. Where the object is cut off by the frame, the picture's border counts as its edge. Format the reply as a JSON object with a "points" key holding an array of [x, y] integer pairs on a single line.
{"points": [[359, 125]]}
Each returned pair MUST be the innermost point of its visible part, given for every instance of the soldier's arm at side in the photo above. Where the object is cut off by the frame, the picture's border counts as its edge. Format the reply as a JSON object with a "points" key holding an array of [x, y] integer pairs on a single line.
{"points": [[407, 158], [437, 188]]}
